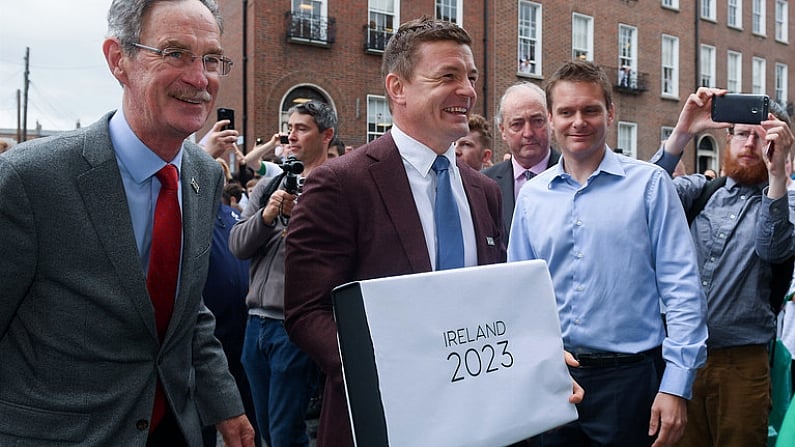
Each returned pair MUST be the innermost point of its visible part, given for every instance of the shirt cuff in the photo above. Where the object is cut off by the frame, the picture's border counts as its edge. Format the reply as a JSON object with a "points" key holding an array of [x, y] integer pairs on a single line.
{"points": [[665, 160], [678, 381]]}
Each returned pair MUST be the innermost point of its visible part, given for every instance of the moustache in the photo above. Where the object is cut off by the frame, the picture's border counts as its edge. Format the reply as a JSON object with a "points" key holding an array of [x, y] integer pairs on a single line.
{"points": [[191, 95]]}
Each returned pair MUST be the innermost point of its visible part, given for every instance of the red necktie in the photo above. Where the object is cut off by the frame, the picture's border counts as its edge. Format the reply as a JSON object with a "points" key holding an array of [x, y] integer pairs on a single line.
{"points": [[161, 279]]}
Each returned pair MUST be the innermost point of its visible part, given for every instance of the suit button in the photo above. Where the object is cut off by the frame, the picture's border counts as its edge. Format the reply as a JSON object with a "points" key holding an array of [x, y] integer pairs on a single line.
{"points": [[142, 424]]}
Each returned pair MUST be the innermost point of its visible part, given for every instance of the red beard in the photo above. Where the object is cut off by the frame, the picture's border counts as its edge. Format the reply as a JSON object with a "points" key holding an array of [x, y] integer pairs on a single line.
{"points": [[744, 175]]}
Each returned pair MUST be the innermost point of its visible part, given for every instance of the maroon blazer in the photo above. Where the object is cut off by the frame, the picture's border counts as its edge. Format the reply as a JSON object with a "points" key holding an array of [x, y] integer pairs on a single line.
{"points": [[356, 220]]}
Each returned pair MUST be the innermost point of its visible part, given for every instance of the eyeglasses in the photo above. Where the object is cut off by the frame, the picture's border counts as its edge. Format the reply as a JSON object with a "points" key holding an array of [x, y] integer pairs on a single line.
{"points": [[181, 58], [742, 135]]}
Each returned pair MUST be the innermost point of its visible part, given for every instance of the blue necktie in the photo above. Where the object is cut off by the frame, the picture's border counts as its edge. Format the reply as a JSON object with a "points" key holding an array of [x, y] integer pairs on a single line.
{"points": [[449, 238]]}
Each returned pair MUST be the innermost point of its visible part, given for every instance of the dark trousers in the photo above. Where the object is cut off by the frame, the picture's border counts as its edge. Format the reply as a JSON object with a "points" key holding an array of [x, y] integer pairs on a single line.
{"points": [[616, 408], [167, 433]]}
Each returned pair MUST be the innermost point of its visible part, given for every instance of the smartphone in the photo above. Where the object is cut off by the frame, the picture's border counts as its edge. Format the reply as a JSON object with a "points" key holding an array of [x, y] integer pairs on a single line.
{"points": [[227, 114], [284, 139], [740, 108]]}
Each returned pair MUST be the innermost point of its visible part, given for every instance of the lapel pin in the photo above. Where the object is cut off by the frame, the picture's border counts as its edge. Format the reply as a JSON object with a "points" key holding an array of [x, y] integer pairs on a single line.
{"points": [[194, 184], [489, 241]]}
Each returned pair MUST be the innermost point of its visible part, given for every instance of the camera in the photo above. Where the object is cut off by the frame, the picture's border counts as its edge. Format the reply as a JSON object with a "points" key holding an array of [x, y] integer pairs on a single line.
{"points": [[292, 167], [284, 139]]}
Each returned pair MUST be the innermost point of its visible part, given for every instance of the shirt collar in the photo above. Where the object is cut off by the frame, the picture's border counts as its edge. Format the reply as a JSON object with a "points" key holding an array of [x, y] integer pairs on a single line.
{"points": [[136, 157], [418, 155], [610, 164], [541, 166]]}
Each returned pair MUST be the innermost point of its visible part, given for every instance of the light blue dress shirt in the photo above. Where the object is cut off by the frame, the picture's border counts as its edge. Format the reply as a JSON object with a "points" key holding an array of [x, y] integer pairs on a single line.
{"points": [[138, 166], [616, 247]]}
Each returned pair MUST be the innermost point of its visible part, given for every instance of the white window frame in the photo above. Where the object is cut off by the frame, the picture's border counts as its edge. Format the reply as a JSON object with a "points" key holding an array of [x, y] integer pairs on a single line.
{"points": [[734, 71], [707, 11], [758, 67], [529, 64], [446, 6], [627, 55], [319, 11], [669, 69], [378, 115], [670, 4], [758, 17], [781, 93], [734, 14], [782, 20], [578, 22], [707, 69], [378, 9], [628, 138]]}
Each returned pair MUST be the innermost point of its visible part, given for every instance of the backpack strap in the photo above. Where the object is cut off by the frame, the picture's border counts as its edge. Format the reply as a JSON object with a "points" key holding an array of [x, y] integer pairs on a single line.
{"points": [[707, 191]]}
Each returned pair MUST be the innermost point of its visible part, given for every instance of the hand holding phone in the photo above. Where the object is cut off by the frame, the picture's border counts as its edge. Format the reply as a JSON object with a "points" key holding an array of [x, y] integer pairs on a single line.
{"points": [[227, 114], [769, 149]]}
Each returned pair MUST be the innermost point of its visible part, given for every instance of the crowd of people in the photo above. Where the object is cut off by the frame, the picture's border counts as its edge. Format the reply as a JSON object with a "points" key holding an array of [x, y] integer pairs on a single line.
{"points": [[194, 301]]}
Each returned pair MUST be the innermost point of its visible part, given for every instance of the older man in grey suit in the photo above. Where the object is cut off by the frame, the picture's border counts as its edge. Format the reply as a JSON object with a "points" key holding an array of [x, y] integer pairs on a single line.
{"points": [[87, 357], [522, 120]]}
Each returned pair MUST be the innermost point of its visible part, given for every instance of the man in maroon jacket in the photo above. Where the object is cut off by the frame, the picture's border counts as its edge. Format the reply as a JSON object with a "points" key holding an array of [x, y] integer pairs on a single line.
{"points": [[370, 213]]}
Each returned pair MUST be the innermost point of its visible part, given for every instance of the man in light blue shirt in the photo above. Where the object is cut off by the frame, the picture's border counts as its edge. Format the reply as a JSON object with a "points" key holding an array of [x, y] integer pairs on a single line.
{"points": [[614, 234]]}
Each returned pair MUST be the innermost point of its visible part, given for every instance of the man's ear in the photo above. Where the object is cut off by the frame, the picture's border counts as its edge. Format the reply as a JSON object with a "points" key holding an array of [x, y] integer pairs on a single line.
{"points": [[487, 153], [394, 88], [116, 59], [328, 135]]}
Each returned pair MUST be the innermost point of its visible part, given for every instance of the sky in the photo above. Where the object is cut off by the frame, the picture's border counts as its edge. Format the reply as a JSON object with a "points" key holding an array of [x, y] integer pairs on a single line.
{"points": [[69, 79]]}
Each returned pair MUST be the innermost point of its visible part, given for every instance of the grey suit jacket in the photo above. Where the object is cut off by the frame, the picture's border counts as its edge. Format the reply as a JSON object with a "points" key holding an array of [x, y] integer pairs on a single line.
{"points": [[357, 220], [80, 353], [502, 173]]}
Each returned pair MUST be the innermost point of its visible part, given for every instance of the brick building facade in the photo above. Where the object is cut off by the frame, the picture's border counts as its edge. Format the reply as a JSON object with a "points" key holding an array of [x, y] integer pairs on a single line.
{"points": [[655, 51]]}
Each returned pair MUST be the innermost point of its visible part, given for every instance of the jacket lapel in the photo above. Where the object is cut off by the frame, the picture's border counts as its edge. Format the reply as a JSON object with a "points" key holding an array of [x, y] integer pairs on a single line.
{"points": [[110, 217], [389, 176]]}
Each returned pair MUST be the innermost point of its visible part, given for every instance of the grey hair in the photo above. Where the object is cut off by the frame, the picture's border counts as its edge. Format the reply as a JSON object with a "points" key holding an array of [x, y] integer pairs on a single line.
{"points": [[322, 113], [519, 85], [125, 19]]}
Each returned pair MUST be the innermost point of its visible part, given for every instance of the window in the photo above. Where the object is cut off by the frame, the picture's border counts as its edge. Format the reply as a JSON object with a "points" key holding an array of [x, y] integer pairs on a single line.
{"points": [[758, 76], [708, 9], [781, 84], [707, 66], [529, 38], [627, 56], [706, 154], [781, 20], [581, 37], [628, 138], [382, 24], [665, 132], [670, 66], [758, 17], [449, 10], [734, 69], [735, 13], [671, 4], [379, 120], [310, 20]]}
